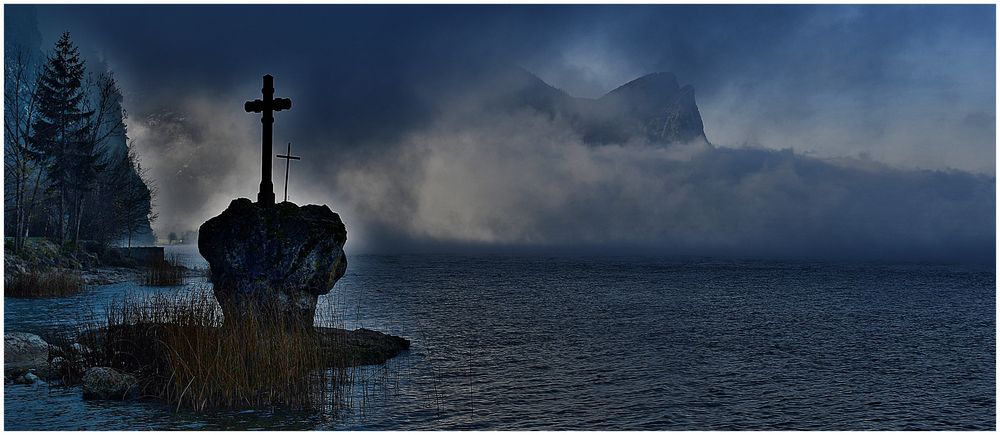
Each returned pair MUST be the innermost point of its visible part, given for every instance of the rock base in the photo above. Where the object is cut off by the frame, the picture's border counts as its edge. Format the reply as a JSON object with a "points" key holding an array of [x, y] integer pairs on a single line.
{"points": [[273, 261]]}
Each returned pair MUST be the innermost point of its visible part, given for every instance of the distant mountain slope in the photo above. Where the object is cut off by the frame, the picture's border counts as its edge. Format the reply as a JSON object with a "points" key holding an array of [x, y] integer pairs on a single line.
{"points": [[654, 107]]}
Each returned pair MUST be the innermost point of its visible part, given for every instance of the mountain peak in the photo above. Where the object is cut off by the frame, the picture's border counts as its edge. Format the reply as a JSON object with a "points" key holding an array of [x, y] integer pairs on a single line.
{"points": [[657, 107], [658, 83], [654, 107]]}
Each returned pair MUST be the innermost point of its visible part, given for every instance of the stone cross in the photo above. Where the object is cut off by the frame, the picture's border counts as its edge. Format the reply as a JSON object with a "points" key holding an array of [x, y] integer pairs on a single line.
{"points": [[288, 160], [268, 106]]}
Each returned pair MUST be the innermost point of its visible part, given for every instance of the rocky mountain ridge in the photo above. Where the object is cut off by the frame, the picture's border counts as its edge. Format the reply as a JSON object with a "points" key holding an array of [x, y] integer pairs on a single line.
{"points": [[653, 107]]}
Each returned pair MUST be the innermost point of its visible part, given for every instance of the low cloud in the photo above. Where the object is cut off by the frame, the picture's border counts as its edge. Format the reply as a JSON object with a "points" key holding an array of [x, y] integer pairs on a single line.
{"points": [[477, 180], [200, 158], [864, 95], [524, 179]]}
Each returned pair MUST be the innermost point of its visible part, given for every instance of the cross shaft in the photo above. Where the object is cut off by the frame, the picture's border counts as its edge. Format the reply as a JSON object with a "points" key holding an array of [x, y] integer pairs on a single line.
{"points": [[267, 106]]}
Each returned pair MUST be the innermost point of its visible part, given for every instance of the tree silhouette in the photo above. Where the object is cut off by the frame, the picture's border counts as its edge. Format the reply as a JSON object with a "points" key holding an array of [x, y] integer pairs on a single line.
{"points": [[106, 120], [20, 167], [130, 205], [62, 127]]}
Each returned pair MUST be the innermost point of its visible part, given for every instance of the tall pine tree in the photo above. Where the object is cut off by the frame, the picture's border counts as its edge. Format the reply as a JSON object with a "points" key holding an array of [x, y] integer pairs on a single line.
{"points": [[62, 127]]}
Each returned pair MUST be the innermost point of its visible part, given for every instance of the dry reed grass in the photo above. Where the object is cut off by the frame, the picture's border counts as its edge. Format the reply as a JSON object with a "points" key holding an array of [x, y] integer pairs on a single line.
{"points": [[165, 273], [40, 284], [184, 354]]}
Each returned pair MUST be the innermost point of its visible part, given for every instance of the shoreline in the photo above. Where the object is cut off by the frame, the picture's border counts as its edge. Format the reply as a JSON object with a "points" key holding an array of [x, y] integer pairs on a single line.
{"points": [[26, 352], [79, 359], [94, 276], [110, 275]]}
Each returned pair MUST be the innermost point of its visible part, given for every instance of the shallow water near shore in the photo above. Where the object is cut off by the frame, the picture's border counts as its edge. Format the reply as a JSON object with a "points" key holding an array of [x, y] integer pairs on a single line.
{"points": [[503, 342]]}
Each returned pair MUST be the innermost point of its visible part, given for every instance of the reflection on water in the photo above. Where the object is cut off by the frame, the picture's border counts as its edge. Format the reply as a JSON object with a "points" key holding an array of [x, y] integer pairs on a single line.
{"points": [[618, 343]]}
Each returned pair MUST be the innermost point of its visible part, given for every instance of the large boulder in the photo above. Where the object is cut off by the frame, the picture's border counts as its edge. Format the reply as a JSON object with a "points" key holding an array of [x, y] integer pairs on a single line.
{"points": [[24, 352], [103, 383], [273, 260]]}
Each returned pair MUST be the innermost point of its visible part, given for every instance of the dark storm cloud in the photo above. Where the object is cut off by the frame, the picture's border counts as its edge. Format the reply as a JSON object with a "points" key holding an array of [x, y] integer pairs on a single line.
{"points": [[895, 82], [910, 86]]}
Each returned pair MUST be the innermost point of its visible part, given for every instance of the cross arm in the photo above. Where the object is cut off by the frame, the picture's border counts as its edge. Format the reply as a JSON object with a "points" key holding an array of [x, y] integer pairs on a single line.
{"points": [[255, 106], [277, 104], [282, 104]]}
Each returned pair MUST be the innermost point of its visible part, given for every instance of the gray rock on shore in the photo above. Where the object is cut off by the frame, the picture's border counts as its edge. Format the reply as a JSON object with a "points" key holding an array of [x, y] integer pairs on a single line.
{"points": [[28, 379], [23, 353], [103, 383]]}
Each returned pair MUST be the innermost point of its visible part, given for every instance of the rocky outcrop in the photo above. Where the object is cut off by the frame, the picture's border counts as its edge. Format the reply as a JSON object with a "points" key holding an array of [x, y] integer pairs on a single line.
{"points": [[654, 107], [273, 260], [24, 353], [359, 347], [103, 383]]}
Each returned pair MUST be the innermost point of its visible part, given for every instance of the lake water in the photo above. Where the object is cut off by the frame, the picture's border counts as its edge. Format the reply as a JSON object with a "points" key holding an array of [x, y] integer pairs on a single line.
{"points": [[504, 342]]}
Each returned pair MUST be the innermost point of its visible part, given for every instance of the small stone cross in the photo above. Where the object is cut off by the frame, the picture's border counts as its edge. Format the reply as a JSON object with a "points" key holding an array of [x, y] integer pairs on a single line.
{"points": [[288, 160]]}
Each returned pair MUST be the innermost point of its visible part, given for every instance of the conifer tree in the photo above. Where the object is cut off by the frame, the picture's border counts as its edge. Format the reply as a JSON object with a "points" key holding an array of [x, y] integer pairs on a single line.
{"points": [[62, 127]]}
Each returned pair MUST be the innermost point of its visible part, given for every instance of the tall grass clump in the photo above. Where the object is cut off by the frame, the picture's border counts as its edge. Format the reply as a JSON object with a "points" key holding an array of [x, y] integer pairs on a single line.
{"points": [[168, 272], [40, 284], [184, 353]]}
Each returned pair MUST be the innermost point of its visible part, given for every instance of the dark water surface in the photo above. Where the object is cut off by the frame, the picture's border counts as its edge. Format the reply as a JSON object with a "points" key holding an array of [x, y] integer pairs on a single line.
{"points": [[618, 343]]}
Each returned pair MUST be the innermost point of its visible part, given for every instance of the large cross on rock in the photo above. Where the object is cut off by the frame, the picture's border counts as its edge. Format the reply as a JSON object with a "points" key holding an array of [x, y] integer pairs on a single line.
{"points": [[272, 261], [268, 106]]}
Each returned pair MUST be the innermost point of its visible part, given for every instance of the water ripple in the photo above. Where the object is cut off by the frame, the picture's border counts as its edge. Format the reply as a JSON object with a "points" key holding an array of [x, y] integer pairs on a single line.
{"points": [[625, 343]]}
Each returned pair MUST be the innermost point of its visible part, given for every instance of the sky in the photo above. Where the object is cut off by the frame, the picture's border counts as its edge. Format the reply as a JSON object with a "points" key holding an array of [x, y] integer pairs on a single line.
{"points": [[800, 102]]}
